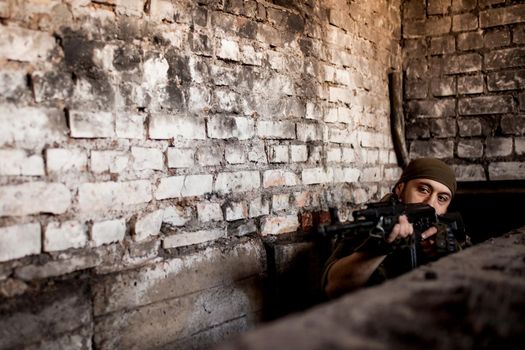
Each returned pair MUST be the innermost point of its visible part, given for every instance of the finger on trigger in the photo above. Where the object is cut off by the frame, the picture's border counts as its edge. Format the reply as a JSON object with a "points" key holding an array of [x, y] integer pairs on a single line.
{"points": [[395, 232], [429, 232]]}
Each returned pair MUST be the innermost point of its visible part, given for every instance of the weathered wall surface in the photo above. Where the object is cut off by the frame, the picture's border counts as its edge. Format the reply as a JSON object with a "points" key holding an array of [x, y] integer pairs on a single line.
{"points": [[464, 63], [149, 148]]}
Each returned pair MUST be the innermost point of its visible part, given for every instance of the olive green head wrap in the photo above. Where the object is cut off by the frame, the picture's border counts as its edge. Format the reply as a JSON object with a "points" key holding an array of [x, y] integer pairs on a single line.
{"points": [[429, 168]]}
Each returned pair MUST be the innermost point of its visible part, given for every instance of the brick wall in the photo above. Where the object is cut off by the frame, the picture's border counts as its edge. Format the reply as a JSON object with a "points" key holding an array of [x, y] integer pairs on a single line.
{"points": [[149, 150], [464, 64]]}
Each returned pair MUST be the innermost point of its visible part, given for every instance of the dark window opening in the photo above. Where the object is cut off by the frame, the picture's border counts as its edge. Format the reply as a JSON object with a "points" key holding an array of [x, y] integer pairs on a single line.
{"points": [[490, 208]]}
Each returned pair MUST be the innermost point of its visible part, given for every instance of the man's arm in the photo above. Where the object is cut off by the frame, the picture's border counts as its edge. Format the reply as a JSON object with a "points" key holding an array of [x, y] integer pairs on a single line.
{"points": [[351, 272], [354, 270]]}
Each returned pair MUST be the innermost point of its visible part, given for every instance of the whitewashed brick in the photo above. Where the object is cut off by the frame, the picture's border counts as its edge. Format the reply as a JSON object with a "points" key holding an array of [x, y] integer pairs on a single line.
{"points": [[109, 231], [371, 156], [181, 157], [506, 171], [280, 83], [257, 154], [162, 127], [472, 172], [299, 153], [331, 115], [344, 77], [236, 211], [19, 241], [313, 111], [227, 101], [103, 57], [129, 7], [113, 195], [91, 124], [280, 177], [148, 225], [278, 154], [436, 148], [392, 157], [498, 147], [228, 50], [276, 225], [275, 129], [258, 207], [328, 73], [190, 238], [346, 175], [184, 186], [209, 211], [239, 181], [276, 60], [19, 162], [209, 156], [12, 82], [519, 144], [344, 136], [360, 195], [340, 94], [25, 45], [177, 215], [309, 132], [392, 174], [33, 198], [64, 235], [199, 99], [333, 155], [31, 127], [371, 174], [234, 154], [225, 127], [61, 160], [280, 202], [301, 199], [337, 36], [176, 38], [250, 56], [113, 161], [223, 76], [317, 175], [384, 156], [147, 158], [371, 139], [162, 10], [155, 73], [316, 154], [129, 126]]}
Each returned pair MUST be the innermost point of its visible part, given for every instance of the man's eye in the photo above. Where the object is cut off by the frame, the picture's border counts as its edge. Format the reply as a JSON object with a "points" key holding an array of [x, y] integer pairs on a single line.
{"points": [[443, 198], [424, 189]]}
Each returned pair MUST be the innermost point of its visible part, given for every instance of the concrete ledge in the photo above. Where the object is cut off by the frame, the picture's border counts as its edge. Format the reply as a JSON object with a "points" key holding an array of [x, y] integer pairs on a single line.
{"points": [[472, 299]]}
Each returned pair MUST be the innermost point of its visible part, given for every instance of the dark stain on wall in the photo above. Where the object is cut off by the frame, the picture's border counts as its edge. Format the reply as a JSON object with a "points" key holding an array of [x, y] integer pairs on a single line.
{"points": [[179, 67], [295, 23], [127, 58], [78, 59], [248, 29]]}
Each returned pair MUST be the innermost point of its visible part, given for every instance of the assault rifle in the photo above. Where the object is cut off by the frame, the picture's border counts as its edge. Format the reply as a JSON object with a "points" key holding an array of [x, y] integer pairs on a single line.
{"points": [[378, 219]]}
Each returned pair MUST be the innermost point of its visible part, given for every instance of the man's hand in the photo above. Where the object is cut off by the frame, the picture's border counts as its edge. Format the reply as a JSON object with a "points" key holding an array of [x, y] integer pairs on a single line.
{"points": [[428, 242], [403, 229]]}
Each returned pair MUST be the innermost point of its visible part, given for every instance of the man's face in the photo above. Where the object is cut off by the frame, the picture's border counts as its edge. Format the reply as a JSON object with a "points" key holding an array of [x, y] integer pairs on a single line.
{"points": [[425, 191]]}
